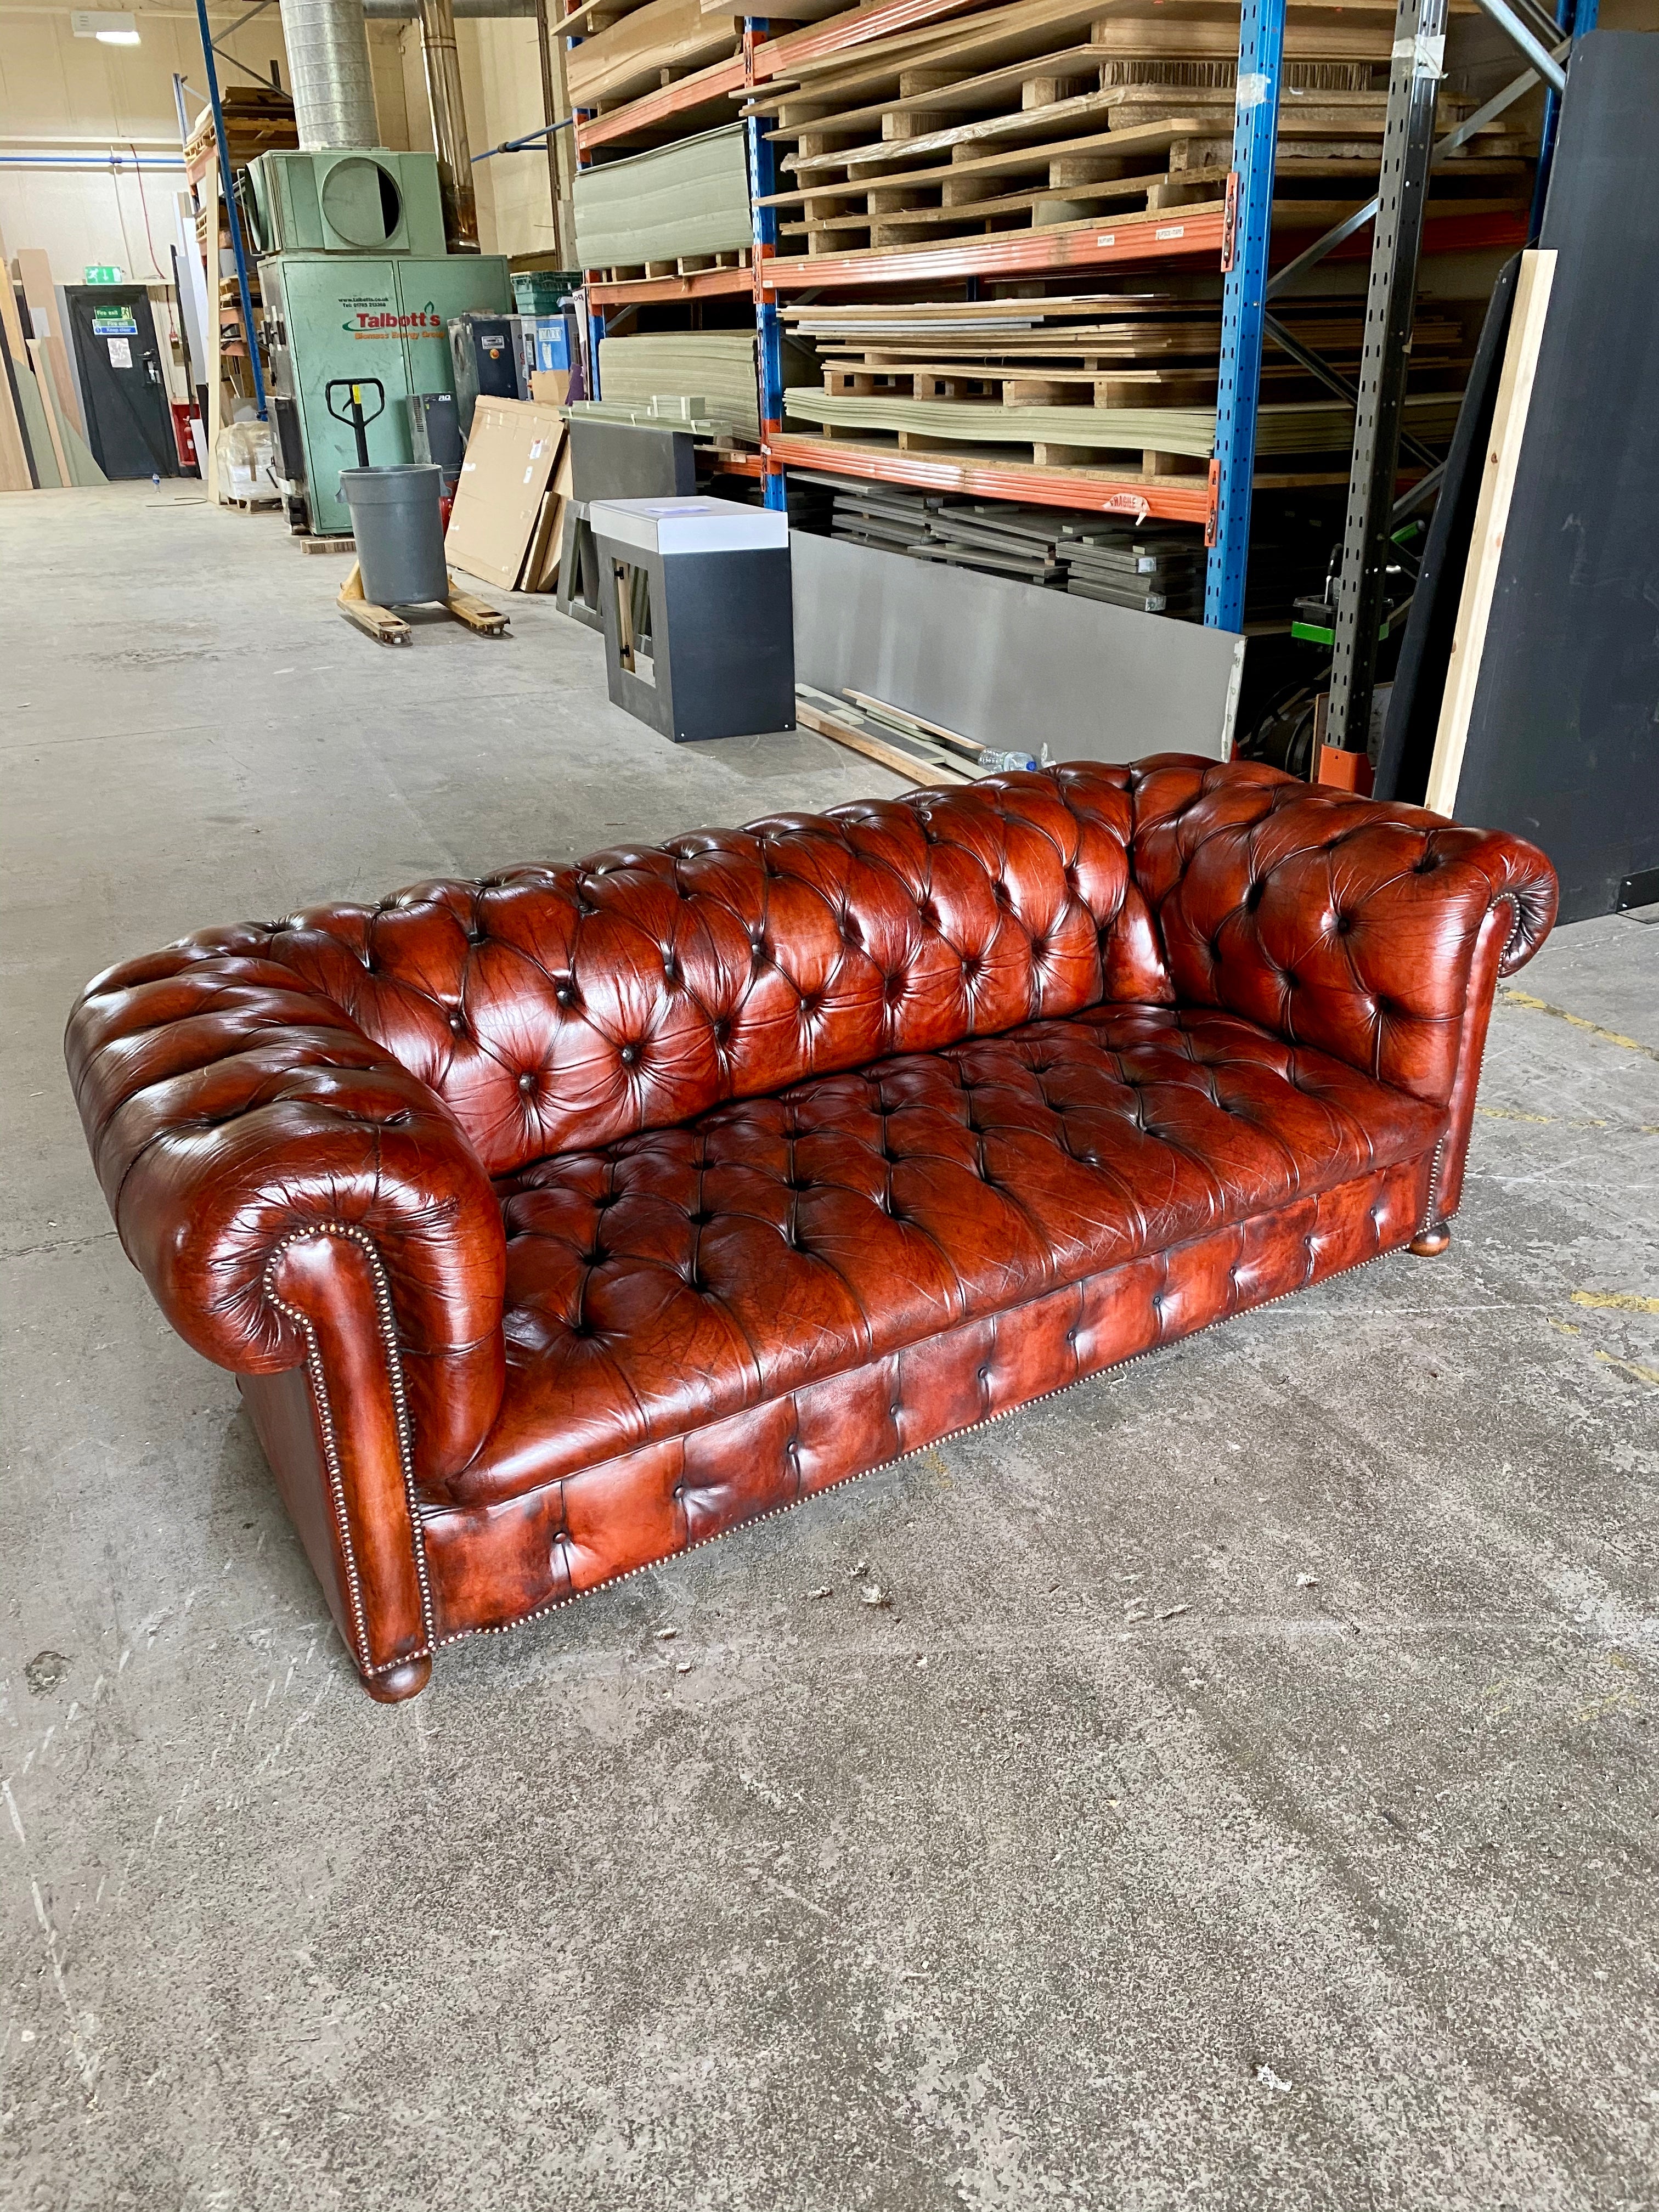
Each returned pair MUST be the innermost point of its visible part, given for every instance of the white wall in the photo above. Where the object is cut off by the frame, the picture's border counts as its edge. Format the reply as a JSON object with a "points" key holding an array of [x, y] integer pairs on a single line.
{"points": [[502, 91], [61, 94]]}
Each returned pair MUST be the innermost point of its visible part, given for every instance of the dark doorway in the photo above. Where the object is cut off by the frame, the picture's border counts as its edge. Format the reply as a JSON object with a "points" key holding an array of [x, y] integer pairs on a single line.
{"points": [[122, 385]]}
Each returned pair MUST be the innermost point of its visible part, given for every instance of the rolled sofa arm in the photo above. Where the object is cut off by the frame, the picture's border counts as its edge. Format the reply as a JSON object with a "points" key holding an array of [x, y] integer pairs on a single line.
{"points": [[235, 1119], [1373, 932]]}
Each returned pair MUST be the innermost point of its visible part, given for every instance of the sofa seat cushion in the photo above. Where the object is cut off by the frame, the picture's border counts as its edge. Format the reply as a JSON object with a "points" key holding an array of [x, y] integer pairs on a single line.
{"points": [[675, 1277]]}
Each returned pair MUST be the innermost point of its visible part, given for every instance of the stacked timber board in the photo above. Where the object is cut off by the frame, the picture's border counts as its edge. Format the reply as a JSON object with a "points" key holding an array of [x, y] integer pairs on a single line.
{"points": [[1060, 436], [1046, 111], [258, 120], [624, 52], [899, 131], [1071, 377], [716, 369], [678, 208]]}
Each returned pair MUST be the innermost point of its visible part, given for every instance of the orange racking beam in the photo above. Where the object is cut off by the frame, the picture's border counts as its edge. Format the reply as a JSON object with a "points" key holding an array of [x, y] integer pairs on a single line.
{"points": [[1026, 486], [769, 60], [1008, 253]]}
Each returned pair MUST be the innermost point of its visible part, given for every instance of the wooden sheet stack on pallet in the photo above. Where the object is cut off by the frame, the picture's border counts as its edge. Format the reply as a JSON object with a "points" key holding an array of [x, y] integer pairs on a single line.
{"points": [[680, 209], [629, 49], [1047, 110], [1080, 379], [994, 116]]}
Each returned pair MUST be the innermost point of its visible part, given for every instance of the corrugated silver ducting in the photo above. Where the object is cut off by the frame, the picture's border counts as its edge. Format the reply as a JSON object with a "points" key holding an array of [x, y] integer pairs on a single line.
{"points": [[327, 43], [465, 11]]}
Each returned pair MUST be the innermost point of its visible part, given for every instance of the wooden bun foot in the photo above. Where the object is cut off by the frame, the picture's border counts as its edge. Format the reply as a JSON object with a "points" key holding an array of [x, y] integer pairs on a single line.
{"points": [[1430, 1243], [405, 1681]]}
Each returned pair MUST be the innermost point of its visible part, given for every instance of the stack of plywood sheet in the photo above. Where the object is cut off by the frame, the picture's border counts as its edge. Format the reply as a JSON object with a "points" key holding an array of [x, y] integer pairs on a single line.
{"points": [[716, 368], [680, 208], [1049, 111], [258, 120], [1080, 375]]}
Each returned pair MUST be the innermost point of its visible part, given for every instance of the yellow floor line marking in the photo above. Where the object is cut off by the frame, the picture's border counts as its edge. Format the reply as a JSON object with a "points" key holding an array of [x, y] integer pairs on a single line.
{"points": [[1617, 1301], [1543, 1007], [1630, 1367], [1557, 1122]]}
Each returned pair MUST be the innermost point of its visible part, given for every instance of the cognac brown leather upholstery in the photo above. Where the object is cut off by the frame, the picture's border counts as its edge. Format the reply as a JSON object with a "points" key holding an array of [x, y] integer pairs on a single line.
{"points": [[558, 1221]]}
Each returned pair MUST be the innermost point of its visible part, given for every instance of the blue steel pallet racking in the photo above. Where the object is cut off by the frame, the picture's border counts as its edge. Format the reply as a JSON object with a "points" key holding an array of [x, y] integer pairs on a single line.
{"points": [[1237, 236]]}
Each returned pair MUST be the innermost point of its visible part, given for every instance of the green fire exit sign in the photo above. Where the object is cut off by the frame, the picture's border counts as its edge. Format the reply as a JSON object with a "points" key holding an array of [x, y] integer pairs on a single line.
{"points": [[102, 272]]}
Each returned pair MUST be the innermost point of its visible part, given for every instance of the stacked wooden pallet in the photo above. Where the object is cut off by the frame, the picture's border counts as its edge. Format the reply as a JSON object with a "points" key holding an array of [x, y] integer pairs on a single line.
{"points": [[905, 134], [1047, 112], [258, 120], [1070, 380]]}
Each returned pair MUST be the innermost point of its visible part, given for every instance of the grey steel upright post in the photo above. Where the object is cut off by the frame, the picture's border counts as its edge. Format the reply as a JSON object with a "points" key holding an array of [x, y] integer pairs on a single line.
{"points": [[1419, 50]]}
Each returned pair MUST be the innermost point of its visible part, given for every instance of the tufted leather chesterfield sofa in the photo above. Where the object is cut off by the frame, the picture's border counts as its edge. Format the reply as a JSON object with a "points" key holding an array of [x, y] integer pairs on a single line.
{"points": [[555, 1223]]}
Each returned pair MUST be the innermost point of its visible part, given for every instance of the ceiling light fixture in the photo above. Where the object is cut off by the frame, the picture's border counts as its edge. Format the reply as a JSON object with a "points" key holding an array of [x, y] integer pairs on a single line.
{"points": [[104, 24]]}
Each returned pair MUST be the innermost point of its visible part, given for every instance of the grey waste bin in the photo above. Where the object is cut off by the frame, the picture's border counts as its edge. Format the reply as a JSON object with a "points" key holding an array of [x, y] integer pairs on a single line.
{"points": [[400, 533]]}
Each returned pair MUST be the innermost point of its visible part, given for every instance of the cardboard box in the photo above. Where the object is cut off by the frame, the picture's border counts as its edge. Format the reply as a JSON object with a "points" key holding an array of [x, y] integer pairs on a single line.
{"points": [[512, 451], [540, 572]]}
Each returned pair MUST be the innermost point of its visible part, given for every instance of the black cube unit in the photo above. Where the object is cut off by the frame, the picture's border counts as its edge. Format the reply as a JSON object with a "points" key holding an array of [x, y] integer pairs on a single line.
{"points": [[625, 460], [613, 461], [578, 593], [722, 615]]}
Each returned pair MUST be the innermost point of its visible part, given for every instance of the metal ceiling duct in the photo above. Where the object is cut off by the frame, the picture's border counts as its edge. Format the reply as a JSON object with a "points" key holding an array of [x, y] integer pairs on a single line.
{"points": [[443, 91], [463, 11], [327, 43]]}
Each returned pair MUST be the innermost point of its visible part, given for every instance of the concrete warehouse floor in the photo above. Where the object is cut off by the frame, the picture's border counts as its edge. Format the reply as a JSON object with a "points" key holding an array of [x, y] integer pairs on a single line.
{"points": [[1328, 1884]]}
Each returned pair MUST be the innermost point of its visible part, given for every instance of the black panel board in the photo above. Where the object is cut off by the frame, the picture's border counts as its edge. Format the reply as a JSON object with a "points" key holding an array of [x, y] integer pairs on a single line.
{"points": [[1564, 741]]}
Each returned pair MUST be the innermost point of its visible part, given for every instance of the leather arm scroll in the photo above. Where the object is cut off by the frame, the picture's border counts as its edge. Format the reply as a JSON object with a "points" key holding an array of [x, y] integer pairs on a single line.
{"points": [[232, 1113]]}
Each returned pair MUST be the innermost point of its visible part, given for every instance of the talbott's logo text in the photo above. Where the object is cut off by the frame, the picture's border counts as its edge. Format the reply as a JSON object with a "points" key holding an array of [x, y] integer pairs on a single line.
{"points": [[423, 322]]}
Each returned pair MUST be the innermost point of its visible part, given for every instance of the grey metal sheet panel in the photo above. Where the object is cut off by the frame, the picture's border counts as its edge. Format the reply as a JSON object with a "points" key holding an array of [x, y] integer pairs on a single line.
{"points": [[1011, 664]]}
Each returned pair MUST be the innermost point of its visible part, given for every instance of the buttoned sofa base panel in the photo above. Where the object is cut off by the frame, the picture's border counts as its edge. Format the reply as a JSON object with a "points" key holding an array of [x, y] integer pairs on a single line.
{"points": [[555, 1224]]}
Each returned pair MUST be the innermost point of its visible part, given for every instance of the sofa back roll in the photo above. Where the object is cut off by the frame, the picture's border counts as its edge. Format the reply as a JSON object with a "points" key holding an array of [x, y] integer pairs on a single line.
{"points": [[1328, 919], [553, 1010]]}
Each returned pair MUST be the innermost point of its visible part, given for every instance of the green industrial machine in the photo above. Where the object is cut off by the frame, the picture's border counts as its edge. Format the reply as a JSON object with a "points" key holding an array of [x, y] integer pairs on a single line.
{"points": [[355, 284]]}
